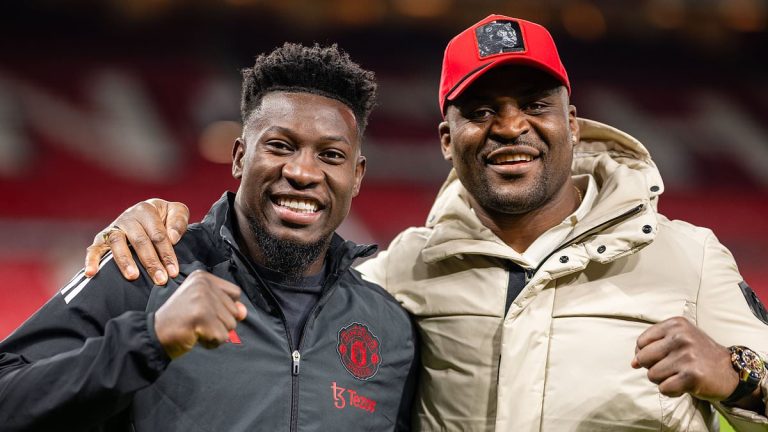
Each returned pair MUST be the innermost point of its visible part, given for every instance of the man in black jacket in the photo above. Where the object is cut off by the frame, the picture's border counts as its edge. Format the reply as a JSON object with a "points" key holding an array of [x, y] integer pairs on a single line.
{"points": [[301, 341]]}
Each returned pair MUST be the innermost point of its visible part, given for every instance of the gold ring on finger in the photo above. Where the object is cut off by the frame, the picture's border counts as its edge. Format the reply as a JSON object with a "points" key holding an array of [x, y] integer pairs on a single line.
{"points": [[107, 232]]}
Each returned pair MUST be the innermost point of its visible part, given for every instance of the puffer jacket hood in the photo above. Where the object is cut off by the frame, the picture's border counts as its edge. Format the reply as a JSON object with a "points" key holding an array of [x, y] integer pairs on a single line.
{"points": [[603, 151]]}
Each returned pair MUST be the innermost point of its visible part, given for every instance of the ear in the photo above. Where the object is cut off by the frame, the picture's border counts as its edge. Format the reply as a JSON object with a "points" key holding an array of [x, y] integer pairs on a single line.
{"points": [[445, 140], [359, 174], [573, 125], [238, 152]]}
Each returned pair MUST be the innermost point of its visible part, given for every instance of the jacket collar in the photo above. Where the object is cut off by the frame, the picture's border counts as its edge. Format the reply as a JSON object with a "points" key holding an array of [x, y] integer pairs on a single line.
{"points": [[219, 225], [629, 185], [220, 222]]}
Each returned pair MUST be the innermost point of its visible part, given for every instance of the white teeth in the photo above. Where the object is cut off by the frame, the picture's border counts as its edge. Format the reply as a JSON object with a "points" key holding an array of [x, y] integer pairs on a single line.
{"points": [[512, 158], [300, 206]]}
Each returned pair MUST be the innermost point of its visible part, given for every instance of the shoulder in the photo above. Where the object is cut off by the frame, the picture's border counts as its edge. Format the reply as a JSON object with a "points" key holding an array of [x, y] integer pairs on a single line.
{"points": [[373, 296], [200, 244], [411, 239], [108, 286], [354, 280], [407, 246], [687, 247], [684, 232], [403, 252]]}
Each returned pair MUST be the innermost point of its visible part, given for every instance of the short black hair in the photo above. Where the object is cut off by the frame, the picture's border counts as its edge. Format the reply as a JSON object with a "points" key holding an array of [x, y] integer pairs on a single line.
{"points": [[325, 71]]}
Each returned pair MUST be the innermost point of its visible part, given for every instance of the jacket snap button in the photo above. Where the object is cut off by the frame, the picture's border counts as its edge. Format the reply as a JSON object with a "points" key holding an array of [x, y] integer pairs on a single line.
{"points": [[563, 259], [647, 229], [601, 249], [655, 188]]}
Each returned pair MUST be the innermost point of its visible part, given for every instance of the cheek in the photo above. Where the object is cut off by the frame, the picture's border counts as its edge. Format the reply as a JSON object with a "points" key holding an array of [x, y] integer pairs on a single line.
{"points": [[465, 145], [342, 184]]}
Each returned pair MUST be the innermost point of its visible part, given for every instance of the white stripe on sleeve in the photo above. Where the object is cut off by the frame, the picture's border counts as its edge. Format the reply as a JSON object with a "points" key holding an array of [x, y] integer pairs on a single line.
{"points": [[80, 281]]}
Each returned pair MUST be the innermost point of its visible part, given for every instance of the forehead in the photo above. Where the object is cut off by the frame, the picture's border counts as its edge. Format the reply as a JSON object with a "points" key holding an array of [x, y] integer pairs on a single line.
{"points": [[511, 81], [305, 114]]}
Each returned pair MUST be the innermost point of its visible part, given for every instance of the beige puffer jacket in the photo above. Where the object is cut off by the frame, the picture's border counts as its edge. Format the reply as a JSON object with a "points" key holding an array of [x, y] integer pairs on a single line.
{"points": [[560, 358]]}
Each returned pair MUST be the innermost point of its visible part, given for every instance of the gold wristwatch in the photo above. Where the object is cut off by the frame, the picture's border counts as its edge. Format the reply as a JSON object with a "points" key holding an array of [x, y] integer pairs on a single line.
{"points": [[751, 369]]}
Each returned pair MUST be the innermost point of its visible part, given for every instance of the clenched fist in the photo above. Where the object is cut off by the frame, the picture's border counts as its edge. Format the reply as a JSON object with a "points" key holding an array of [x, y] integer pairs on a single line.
{"points": [[202, 310], [680, 358]]}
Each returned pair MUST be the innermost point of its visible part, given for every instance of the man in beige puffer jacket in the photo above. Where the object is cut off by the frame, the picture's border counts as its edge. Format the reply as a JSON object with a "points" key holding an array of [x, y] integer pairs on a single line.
{"points": [[549, 292], [551, 298]]}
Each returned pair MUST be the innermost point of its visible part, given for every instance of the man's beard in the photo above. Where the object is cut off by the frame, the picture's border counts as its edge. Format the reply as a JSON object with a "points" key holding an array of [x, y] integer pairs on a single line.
{"points": [[525, 202], [290, 258]]}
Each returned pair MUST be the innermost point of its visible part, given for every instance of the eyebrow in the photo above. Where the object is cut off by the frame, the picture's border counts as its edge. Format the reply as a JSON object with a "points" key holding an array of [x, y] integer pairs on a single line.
{"points": [[525, 92], [290, 132]]}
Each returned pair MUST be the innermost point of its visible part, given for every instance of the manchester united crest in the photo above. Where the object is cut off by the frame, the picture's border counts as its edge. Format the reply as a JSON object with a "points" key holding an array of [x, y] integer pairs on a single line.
{"points": [[359, 351]]}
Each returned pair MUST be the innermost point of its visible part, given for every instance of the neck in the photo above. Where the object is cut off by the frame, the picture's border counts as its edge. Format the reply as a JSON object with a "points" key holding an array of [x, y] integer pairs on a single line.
{"points": [[519, 231]]}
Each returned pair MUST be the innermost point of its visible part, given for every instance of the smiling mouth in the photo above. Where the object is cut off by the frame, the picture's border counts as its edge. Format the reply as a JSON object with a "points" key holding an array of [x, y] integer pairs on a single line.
{"points": [[298, 205], [510, 159]]}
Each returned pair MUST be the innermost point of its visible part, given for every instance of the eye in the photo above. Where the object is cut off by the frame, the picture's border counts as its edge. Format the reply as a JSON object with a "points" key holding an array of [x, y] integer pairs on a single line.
{"points": [[480, 114], [333, 156], [280, 147], [536, 107]]}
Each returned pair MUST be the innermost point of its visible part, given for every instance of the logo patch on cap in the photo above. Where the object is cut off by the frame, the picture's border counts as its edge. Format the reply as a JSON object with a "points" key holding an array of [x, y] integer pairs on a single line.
{"points": [[498, 37], [358, 349]]}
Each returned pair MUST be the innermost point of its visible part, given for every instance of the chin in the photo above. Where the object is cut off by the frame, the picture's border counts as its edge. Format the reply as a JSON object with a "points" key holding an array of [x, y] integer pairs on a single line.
{"points": [[517, 202]]}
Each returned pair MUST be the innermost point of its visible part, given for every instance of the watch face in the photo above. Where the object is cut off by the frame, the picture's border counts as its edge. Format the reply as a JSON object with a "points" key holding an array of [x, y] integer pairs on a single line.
{"points": [[751, 364]]}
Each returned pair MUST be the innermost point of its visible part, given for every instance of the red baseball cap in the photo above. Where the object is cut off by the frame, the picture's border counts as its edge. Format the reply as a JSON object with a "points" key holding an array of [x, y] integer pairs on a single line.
{"points": [[495, 41]]}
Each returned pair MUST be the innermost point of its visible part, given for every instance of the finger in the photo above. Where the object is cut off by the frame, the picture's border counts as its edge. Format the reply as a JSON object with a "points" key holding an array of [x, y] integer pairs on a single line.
{"points": [[662, 370], [674, 386], [213, 334], [164, 249], [147, 220], [228, 288], [651, 334], [242, 311], [221, 308], [227, 318], [177, 220], [233, 292], [228, 309], [174, 217], [145, 250], [651, 354], [121, 254], [93, 255]]}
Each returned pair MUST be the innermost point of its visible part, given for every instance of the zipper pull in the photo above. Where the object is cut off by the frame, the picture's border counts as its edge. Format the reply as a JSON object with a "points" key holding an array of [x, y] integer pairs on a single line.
{"points": [[296, 359]]}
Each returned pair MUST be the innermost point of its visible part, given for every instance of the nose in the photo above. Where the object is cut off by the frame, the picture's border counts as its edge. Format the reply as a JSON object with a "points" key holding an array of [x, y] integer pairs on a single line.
{"points": [[509, 124], [303, 170]]}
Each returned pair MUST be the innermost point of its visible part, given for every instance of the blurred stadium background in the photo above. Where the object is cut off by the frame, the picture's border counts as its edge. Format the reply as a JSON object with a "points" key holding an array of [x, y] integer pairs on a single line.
{"points": [[107, 102]]}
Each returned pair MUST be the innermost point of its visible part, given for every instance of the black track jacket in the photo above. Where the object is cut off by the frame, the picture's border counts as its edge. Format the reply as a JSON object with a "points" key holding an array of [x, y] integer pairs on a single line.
{"points": [[89, 358]]}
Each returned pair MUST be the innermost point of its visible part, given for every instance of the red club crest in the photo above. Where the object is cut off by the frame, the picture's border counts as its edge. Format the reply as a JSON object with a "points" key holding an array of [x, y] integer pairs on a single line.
{"points": [[359, 351]]}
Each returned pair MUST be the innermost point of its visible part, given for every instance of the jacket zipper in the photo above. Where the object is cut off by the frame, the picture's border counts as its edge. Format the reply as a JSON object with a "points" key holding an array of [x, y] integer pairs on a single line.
{"points": [[631, 212], [296, 356], [296, 359], [529, 272], [295, 352]]}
